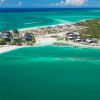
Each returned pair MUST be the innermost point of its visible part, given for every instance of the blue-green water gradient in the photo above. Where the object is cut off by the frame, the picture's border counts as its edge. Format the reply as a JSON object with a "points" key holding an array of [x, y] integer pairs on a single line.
{"points": [[50, 73], [19, 20]]}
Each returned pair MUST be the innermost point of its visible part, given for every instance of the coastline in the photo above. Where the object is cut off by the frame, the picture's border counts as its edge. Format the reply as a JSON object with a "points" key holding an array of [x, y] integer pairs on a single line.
{"points": [[37, 27], [53, 25], [48, 40], [44, 38], [5, 49], [53, 42], [76, 45], [41, 41]]}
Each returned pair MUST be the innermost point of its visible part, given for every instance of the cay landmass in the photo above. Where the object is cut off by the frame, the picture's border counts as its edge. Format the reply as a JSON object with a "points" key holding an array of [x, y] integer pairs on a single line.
{"points": [[82, 34]]}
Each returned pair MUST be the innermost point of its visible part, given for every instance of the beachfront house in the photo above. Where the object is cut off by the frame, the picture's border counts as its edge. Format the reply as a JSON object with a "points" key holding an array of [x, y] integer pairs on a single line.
{"points": [[7, 36], [29, 38], [72, 36], [69, 34], [93, 40], [78, 40], [83, 40], [16, 37], [15, 34]]}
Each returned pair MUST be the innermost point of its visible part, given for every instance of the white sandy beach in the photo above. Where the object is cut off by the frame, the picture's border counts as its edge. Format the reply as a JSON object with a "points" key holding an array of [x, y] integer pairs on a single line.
{"points": [[40, 41], [44, 41], [5, 49], [74, 44]]}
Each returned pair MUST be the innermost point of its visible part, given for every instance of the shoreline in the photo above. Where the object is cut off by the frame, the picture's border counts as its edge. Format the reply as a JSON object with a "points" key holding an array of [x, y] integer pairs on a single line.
{"points": [[45, 26], [76, 45], [44, 38], [67, 44], [6, 49], [39, 27], [53, 25], [41, 41], [51, 41]]}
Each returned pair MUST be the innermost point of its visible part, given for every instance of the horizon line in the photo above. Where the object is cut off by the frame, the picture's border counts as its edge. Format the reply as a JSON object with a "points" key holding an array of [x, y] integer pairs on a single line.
{"points": [[50, 7]]}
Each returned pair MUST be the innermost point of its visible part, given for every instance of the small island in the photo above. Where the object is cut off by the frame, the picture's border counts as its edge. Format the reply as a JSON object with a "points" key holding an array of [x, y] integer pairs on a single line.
{"points": [[81, 34]]}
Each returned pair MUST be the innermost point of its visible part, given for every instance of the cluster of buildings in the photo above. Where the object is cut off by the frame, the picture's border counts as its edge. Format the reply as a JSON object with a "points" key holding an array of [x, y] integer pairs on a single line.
{"points": [[53, 29], [27, 37], [75, 37], [16, 38]]}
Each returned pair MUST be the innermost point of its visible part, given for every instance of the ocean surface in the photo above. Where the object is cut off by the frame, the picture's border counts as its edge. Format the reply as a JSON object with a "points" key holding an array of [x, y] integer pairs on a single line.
{"points": [[25, 18], [50, 73]]}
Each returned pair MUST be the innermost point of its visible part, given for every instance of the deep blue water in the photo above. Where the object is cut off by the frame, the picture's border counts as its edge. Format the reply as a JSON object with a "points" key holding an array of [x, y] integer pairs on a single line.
{"points": [[42, 9]]}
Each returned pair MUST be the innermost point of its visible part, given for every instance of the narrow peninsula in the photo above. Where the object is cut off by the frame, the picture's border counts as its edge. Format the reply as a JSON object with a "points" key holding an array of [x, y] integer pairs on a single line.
{"points": [[82, 34]]}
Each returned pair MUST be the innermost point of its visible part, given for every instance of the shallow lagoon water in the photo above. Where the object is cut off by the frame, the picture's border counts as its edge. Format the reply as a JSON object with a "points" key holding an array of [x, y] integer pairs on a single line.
{"points": [[50, 73], [26, 19]]}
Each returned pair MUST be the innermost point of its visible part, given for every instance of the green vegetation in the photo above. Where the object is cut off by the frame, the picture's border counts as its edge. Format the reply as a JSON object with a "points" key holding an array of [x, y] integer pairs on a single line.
{"points": [[33, 40], [15, 38], [92, 30], [2, 41]]}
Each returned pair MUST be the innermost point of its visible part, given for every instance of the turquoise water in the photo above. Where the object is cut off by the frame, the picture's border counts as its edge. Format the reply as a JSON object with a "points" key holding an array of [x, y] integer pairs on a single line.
{"points": [[50, 73], [19, 20]]}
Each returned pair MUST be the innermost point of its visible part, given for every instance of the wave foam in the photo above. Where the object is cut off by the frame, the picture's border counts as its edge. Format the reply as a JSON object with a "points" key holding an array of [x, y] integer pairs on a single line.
{"points": [[33, 22]]}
